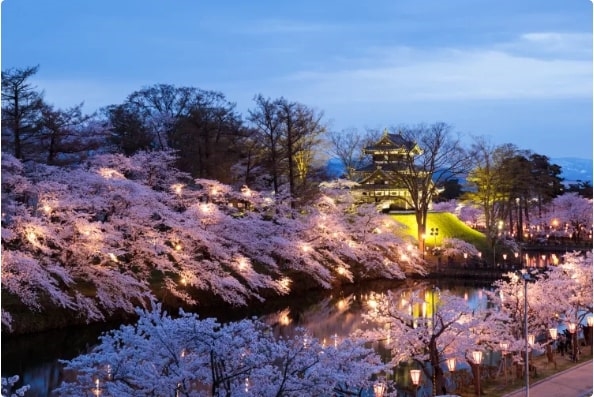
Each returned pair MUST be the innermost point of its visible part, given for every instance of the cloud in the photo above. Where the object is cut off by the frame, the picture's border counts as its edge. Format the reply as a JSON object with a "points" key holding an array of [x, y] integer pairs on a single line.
{"points": [[555, 67]]}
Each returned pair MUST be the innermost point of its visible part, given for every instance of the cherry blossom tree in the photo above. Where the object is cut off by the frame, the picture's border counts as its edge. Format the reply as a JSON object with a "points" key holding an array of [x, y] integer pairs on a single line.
{"points": [[560, 294], [187, 356], [428, 327], [9, 383], [572, 210], [119, 231]]}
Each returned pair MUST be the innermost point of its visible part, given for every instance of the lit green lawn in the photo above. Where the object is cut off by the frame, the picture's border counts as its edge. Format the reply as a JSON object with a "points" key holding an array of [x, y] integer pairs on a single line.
{"points": [[449, 227]]}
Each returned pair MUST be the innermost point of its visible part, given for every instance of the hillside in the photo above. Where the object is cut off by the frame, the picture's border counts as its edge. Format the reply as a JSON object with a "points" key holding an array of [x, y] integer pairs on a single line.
{"points": [[449, 227]]}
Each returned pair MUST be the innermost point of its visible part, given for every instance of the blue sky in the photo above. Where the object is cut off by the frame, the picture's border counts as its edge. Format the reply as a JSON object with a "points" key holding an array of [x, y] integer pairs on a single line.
{"points": [[517, 71]]}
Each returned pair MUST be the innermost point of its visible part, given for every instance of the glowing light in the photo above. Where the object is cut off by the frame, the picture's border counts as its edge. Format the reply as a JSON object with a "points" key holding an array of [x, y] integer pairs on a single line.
{"points": [[285, 284], [415, 376], [531, 339], [284, 319], [177, 188], [477, 356], [378, 389], [113, 257], [451, 364], [177, 247], [242, 263], [109, 173], [553, 332], [372, 303], [341, 270], [47, 209], [32, 237]]}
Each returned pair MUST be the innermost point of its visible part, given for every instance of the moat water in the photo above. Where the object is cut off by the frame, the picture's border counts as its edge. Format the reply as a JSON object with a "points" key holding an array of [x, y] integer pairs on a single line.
{"points": [[326, 314]]}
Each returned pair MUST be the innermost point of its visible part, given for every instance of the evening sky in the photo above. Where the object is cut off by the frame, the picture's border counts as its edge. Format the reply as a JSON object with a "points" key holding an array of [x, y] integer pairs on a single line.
{"points": [[517, 71]]}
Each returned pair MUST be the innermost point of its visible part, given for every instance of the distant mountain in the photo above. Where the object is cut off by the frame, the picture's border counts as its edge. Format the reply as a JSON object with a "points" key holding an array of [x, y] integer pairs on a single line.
{"points": [[574, 169]]}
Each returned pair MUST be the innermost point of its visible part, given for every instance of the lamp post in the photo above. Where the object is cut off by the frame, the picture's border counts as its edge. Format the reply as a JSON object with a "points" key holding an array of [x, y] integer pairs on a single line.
{"points": [[504, 346], [477, 357], [553, 335], [379, 389], [415, 376], [434, 232], [451, 362], [526, 277], [465, 258], [572, 327], [590, 322]]}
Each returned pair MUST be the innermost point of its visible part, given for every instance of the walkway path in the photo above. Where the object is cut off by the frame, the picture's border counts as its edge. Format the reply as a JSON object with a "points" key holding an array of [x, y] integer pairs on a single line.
{"points": [[574, 382]]}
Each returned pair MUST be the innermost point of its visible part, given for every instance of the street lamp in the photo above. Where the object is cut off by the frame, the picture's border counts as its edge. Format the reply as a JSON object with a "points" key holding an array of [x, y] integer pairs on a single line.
{"points": [[531, 340], [553, 335], [415, 376], [451, 362], [477, 357], [504, 346], [504, 260], [434, 232], [526, 277], [379, 389], [590, 322], [572, 327]]}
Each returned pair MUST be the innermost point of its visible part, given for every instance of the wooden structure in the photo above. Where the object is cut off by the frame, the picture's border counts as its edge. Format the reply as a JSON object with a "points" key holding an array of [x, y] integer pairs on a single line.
{"points": [[379, 181]]}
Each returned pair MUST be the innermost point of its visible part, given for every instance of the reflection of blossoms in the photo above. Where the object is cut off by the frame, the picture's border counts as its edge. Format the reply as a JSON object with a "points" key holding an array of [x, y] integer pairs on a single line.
{"points": [[8, 384], [199, 357]]}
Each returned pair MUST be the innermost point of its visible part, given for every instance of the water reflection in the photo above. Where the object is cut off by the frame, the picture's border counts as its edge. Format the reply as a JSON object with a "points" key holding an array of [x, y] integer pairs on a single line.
{"points": [[328, 316]]}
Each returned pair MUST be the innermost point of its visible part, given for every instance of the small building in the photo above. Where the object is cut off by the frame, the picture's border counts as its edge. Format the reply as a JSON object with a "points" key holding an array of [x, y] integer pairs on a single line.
{"points": [[379, 181]]}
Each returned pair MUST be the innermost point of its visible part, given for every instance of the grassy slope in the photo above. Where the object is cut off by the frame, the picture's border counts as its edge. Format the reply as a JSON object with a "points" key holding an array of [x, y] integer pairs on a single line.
{"points": [[449, 227]]}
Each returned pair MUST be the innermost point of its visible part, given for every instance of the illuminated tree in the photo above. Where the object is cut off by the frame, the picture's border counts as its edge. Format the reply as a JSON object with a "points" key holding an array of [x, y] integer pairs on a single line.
{"points": [[187, 356], [441, 158], [429, 326]]}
